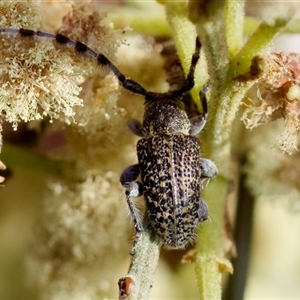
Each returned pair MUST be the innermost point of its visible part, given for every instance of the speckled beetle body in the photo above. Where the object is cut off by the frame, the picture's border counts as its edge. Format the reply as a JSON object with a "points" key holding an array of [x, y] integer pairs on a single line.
{"points": [[170, 166], [171, 171]]}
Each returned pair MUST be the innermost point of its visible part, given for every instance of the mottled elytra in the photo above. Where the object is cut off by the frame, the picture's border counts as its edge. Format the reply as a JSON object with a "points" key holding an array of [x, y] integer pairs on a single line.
{"points": [[169, 160]]}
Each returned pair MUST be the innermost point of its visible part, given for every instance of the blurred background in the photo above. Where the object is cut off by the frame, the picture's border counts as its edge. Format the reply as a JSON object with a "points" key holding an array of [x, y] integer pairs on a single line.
{"points": [[274, 263]]}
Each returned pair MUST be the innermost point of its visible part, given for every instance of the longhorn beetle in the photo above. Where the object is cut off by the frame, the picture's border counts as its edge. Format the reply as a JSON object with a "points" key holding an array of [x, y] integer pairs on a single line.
{"points": [[169, 160]]}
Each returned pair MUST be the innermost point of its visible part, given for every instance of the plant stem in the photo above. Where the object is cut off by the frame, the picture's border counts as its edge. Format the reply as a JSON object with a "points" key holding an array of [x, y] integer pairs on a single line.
{"points": [[209, 259], [137, 284]]}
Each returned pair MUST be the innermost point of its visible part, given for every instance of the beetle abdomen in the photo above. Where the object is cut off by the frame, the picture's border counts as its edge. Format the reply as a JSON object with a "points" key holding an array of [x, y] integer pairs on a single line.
{"points": [[170, 172]]}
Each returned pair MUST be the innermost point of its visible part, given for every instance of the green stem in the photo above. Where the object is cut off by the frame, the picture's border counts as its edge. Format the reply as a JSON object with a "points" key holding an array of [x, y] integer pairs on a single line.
{"points": [[210, 257], [234, 20], [257, 44], [139, 279], [215, 21], [226, 92], [184, 35]]}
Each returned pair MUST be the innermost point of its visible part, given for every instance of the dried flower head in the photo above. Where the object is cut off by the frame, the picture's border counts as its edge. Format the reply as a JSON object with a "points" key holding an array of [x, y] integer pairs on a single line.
{"points": [[40, 80], [36, 80], [16, 13], [277, 96]]}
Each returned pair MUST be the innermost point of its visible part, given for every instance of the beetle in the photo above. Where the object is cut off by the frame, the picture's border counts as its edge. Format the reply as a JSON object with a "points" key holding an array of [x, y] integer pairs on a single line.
{"points": [[169, 160], [170, 165]]}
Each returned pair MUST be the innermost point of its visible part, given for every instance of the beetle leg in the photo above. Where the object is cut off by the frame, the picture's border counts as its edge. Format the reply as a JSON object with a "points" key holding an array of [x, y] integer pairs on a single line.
{"points": [[130, 174], [208, 168], [203, 211], [198, 122], [133, 189], [136, 127]]}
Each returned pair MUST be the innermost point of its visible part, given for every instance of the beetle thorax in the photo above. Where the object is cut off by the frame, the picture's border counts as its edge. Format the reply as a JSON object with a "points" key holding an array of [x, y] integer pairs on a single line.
{"points": [[165, 117]]}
